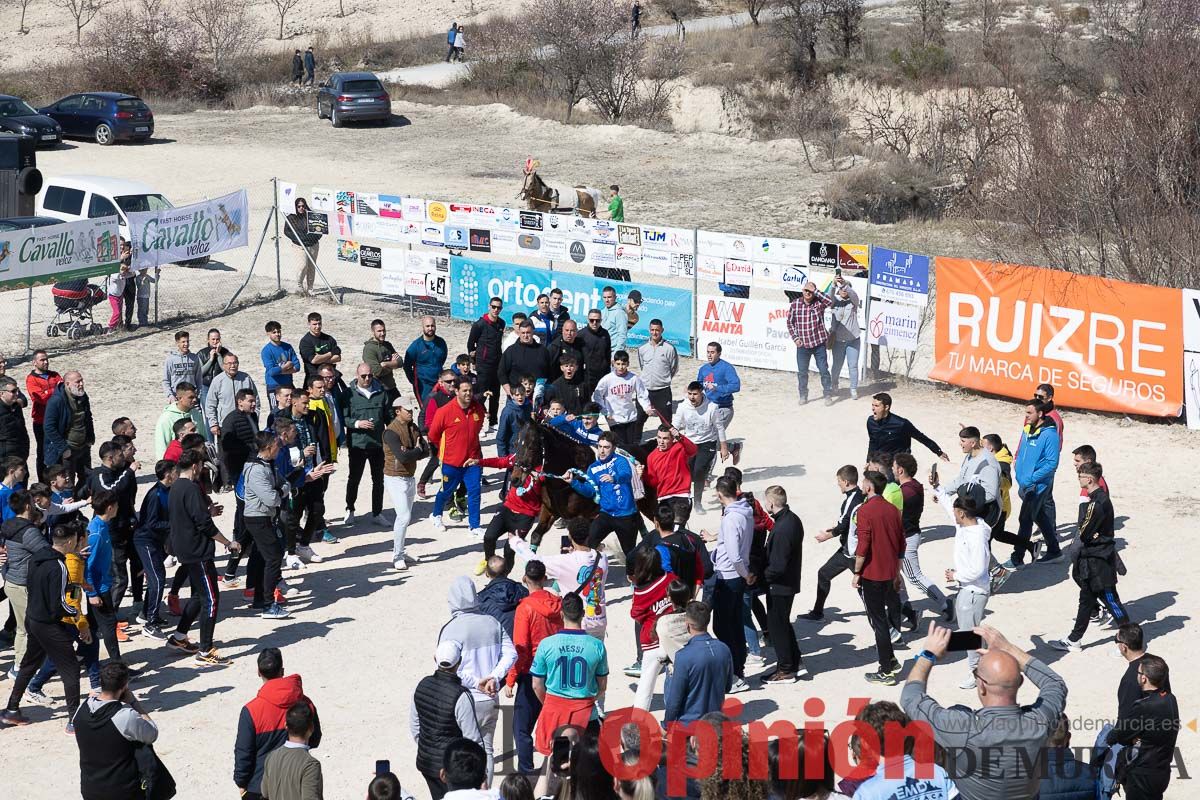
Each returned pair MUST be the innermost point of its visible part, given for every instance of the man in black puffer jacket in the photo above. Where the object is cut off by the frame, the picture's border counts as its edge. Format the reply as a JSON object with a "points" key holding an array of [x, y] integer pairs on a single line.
{"points": [[484, 342], [440, 712], [524, 357]]}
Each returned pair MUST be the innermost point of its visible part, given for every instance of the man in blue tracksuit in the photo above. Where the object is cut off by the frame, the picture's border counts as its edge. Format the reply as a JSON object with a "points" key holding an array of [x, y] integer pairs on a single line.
{"points": [[721, 382], [424, 359], [609, 481], [1033, 470], [584, 428]]}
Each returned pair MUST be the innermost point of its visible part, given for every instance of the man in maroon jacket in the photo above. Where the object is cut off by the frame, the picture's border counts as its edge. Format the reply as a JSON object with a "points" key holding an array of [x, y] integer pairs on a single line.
{"points": [[262, 726], [877, 570]]}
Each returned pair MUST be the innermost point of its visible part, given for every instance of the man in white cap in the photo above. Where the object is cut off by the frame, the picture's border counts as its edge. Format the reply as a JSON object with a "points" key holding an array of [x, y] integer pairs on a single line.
{"points": [[403, 447], [440, 712]]}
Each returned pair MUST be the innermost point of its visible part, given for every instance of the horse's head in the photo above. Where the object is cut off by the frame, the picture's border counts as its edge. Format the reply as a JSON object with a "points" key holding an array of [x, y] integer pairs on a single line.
{"points": [[528, 447]]}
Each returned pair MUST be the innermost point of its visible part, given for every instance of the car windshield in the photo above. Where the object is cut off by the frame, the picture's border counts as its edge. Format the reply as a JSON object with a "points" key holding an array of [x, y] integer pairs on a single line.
{"points": [[131, 104], [351, 87], [136, 203], [15, 108]]}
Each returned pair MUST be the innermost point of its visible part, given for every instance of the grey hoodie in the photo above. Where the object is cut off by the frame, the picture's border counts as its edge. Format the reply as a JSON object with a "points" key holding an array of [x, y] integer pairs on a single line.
{"points": [[982, 469], [179, 368], [487, 651], [22, 539], [731, 559]]}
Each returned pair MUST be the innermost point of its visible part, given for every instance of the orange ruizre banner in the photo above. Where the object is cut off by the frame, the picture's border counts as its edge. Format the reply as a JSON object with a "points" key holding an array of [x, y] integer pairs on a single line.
{"points": [[1102, 344]]}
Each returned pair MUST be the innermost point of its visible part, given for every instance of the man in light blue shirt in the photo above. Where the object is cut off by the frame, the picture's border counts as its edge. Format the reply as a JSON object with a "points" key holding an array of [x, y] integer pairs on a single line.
{"points": [[570, 673]]}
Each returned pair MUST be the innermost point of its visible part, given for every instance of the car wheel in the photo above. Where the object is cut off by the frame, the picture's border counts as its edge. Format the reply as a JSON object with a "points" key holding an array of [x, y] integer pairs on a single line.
{"points": [[334, 117], [104, 134]]}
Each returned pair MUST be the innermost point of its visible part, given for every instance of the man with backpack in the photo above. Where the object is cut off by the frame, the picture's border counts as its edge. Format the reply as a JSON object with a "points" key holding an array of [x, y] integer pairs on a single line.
{"points": [[682, 551], [109, 728]]}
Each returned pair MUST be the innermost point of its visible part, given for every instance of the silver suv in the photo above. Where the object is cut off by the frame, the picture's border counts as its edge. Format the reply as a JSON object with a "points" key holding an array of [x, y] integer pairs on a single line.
{"points": [[353, 97]]}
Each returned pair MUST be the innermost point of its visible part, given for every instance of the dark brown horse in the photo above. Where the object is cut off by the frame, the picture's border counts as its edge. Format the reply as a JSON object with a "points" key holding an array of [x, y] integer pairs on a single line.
{"points": [[540, 196], [541, 446]]}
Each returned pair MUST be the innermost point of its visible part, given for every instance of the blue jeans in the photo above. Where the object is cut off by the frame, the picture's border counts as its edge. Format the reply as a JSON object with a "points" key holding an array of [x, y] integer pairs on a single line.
{"points": [[451, 478], [748, 622], [1035, 510], [844, 352], [90, 653], [803, 354]]}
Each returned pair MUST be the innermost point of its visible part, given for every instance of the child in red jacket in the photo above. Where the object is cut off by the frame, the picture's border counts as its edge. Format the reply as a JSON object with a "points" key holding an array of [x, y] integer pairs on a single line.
{"points": [[520, 511], [650, 601]]}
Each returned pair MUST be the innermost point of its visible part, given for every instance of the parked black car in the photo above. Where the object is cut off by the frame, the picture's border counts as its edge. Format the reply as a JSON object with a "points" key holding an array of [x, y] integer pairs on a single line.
{"points": [[21, 223], [17, 116], [106, 117], [353, 97]]}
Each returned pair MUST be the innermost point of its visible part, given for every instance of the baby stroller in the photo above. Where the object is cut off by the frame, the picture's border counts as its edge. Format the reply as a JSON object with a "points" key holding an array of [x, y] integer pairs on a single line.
{"points": [[73, 301]]}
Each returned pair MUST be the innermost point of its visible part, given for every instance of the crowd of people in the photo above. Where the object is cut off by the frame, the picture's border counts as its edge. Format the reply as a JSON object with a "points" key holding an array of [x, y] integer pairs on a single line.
{"points": [[714, 571]]}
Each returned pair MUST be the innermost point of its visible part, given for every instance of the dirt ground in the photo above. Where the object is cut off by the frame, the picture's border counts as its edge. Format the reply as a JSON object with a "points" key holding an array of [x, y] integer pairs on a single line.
{"points": [[362, 635]]}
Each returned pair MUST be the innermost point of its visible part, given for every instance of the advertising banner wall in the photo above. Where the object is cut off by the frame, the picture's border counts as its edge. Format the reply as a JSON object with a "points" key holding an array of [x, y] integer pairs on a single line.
{"points": [[475, 281], [899, 277], [71, 250], [189, 232], [1103, 344]]}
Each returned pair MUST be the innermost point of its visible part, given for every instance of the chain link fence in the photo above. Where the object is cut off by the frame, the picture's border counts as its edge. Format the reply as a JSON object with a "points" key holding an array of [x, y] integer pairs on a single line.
{"points": [[31, 320]]}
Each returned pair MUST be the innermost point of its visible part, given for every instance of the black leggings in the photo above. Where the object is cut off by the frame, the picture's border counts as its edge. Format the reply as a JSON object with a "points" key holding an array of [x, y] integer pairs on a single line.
{"points": [[55, 641], [706, 453], [627, 529], [838, 563], [206, 598], [507, 521]]}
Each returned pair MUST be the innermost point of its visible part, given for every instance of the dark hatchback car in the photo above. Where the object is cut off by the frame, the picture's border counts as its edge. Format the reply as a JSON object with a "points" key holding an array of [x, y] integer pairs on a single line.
{"points": [[353, 97], [17, 116], [22, 223], [105, 117]]}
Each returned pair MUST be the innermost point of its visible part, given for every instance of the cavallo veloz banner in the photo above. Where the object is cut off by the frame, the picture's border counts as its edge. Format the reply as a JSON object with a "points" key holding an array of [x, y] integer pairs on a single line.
{"points": [[71, 250], [189, 232], [1102, 344]]}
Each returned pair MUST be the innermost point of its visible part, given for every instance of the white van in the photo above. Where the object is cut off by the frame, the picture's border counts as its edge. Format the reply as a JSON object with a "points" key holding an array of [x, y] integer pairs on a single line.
{"points": [[76, 197]]}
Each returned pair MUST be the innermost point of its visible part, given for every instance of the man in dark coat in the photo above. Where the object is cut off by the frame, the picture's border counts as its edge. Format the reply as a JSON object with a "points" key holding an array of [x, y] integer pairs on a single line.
{"points": [[14, 437], [310, 66], [297, 68], [485, 343], [499, 599], [597, 351], [782, 575], [69, 431]]}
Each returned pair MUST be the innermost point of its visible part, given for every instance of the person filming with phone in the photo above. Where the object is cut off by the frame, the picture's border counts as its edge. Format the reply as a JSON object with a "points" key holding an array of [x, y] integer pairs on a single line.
{"points": [[1004, 735]]}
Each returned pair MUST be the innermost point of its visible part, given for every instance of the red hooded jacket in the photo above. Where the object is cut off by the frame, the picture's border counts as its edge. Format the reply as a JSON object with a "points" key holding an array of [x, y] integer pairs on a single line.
{"points": [[40, 387], [649, 603], [539, 615], [262, 727]]}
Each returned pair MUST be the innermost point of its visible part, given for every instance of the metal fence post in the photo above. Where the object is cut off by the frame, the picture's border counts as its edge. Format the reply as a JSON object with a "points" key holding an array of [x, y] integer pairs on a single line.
{"points": [[29, 320], [695, 287], [275, 214]]}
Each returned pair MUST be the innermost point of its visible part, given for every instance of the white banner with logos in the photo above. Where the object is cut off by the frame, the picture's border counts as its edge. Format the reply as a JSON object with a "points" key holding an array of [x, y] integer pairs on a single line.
{"points": [[414, 273], [894, 325], [189, 232], [71, 250]]}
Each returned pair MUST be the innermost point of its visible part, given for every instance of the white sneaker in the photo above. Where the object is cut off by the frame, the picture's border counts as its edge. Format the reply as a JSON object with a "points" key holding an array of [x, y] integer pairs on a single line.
{"points": [[756, 662], [170, 562], [897, 637], [400, 565], [739, 686], [438, 525], [294, 562], [969, 683], [1066, 645], [307, 555], [477, 532]]}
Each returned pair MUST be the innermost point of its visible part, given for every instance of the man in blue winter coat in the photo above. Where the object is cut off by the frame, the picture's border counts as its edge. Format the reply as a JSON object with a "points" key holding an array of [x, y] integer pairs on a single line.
{"points": [[424, 359], [1033, 470]]}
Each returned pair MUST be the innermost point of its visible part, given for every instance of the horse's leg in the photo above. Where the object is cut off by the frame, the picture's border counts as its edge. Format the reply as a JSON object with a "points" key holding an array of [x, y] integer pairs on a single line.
{"points": [[545, 519]]}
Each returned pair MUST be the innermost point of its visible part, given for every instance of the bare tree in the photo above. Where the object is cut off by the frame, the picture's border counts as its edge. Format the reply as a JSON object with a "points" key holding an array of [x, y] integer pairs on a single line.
{"points": [[754, 8], [570, 33], [82, 11], [228, 29], [799, 25], [930, 21], [283, 8], [844, 21], [24, 4]]}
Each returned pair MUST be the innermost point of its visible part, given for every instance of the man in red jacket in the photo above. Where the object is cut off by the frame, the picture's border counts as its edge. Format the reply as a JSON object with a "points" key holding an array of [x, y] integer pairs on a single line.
{"points": [[520, 511], [539, 615], [262, 726], [455, 432], [667, 472], [877, 570], [40, 383]]}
